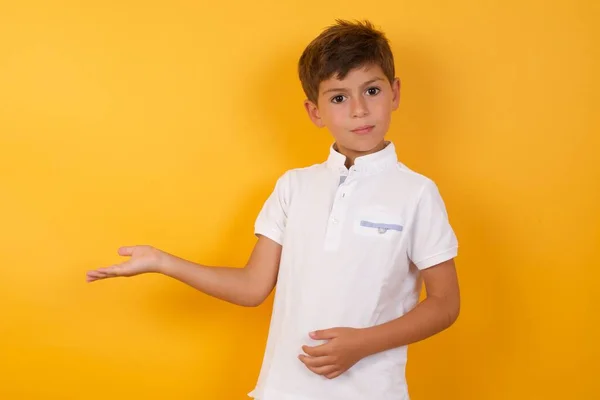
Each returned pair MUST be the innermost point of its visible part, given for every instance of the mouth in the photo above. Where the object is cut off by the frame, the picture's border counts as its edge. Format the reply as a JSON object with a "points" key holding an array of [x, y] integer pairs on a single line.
{"points": [[363, 130]]}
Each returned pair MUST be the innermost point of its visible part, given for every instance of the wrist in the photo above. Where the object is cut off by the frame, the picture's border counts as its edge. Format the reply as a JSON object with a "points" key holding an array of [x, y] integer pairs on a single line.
{"points": [[366, 341], [370, 340], [164, 262]]}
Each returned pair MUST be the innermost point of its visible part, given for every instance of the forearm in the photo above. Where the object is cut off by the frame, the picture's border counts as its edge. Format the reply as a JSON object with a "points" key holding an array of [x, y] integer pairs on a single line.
{"points": [[431, 316], [226, 283]]}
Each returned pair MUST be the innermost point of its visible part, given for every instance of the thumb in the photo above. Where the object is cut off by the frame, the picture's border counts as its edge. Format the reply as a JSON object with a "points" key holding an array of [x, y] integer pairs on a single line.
{"points": [[126, 250], [324, 334]]}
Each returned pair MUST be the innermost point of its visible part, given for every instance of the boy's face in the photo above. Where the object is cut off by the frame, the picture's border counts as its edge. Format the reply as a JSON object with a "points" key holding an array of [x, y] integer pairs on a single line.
{"points": [[357, 110]]}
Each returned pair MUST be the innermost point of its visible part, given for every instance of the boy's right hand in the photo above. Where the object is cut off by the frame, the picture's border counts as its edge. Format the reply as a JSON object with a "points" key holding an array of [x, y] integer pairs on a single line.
{"points": [[143, 259]]}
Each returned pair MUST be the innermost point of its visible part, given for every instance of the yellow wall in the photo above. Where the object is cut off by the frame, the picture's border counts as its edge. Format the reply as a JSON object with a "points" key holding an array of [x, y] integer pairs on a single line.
{"points": [[168, 124]]}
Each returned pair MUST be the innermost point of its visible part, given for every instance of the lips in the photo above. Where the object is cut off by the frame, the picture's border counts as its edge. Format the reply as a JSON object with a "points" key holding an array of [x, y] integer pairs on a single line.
{"points": [[363, 130]]}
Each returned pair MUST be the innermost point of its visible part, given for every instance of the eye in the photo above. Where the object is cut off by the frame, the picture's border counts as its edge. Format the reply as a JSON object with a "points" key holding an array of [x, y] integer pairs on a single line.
{"points": [[372, 91], [338, 99]]}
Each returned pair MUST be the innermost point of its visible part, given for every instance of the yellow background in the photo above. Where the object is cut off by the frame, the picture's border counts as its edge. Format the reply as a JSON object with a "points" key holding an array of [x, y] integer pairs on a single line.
{"points": [[168, 123]]}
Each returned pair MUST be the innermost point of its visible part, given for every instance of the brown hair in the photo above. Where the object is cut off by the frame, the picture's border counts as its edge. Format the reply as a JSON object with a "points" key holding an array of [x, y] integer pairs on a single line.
{"points": [[341, 48]]}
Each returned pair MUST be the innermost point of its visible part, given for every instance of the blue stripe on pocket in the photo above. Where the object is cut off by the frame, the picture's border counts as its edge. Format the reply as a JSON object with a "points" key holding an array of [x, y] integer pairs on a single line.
{"points": [[377, 225]]}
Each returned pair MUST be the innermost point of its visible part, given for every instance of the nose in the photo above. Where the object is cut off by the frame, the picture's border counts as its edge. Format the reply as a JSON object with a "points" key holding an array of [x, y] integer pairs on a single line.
{"points": [[359, 107]]}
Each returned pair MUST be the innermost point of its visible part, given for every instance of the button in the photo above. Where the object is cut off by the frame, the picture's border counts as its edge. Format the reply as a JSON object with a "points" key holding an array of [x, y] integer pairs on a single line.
{"points": [[343, 194], [334, 220]]}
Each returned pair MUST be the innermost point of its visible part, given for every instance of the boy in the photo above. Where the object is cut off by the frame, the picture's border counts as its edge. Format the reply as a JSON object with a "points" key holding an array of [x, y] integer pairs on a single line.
{"points": [[348, 242]]}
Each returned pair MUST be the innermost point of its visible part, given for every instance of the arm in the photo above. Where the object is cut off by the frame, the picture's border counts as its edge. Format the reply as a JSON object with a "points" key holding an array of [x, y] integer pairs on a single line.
{"points": [[247, 286], [346, 346], [437, 312], [430, 235]]}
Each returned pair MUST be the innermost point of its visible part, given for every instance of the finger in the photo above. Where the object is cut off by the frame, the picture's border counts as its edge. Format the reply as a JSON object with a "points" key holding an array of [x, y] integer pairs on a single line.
{"points": [[126, 250], [91, 277], [317, 351], [325, 370], [117, 270], [324, 334], [316, 361], [334, 374], [95, 275], [107, 272], [113, 271]]}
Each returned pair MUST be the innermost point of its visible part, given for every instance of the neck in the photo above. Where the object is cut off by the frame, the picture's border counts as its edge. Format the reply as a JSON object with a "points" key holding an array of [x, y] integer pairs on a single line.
{"points": [[352, 155]]}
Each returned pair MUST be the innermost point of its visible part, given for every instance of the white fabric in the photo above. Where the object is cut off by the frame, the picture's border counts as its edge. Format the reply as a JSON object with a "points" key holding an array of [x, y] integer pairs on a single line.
{"points": [[346, 262]]}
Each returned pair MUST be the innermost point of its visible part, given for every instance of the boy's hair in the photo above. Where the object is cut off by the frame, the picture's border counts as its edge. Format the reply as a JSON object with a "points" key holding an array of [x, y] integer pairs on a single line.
{"points": [[341, 48]]}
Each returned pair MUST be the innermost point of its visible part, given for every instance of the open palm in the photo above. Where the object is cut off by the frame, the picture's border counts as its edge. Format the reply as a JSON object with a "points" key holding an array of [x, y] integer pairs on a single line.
{"points": [[142, 259]]}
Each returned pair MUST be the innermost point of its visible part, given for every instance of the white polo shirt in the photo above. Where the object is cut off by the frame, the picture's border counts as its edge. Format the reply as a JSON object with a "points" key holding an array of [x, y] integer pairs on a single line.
{"points": [[353, 242]]}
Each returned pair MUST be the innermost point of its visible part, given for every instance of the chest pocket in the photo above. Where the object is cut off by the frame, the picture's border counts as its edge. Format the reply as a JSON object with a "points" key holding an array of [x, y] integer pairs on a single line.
{"points": [[378, 224]]}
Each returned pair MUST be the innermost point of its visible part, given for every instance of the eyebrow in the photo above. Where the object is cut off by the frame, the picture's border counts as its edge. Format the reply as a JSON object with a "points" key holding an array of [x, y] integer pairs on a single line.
{"points": [[346, 89]]}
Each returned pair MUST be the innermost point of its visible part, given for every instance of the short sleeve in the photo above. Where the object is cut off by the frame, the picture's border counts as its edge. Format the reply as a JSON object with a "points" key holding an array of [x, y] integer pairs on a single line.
{"points": [[431, 239], [272, 218]]}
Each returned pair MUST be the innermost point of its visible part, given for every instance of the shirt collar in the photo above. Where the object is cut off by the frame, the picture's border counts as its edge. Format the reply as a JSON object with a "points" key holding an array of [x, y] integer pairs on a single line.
{"points": [[371, 163]]}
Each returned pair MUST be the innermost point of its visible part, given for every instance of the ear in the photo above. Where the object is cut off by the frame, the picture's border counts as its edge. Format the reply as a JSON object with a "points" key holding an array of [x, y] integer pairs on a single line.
{"points": [[396, 93], [313, 113]]}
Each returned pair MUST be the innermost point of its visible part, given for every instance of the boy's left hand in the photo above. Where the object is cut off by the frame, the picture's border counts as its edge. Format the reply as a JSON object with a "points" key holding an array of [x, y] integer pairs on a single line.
{"points": [[345, 347]]}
